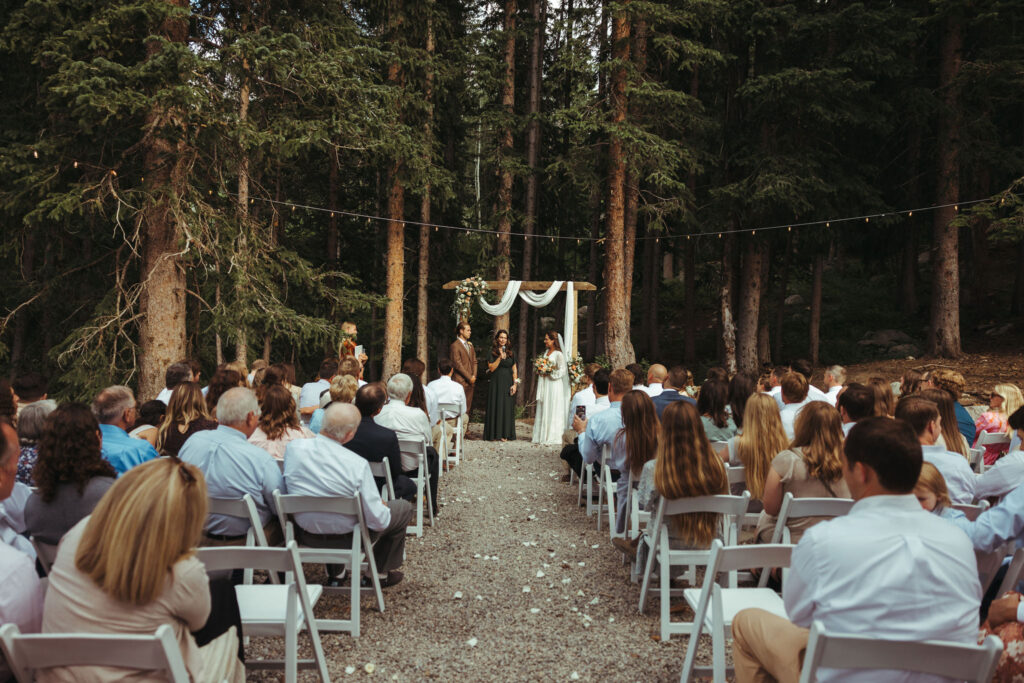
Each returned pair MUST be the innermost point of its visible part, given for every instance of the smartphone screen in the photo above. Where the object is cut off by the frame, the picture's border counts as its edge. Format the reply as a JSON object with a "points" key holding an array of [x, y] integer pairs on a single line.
{"points": [[359, 351], [581, 412]]}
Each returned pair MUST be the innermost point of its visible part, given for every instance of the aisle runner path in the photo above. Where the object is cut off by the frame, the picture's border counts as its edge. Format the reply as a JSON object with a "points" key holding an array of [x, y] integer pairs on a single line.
{"points": [[514, 583]]}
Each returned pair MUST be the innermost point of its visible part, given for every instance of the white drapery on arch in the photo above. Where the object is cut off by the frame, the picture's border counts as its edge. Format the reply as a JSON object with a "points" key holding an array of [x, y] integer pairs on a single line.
{"points": [[538, 300]]}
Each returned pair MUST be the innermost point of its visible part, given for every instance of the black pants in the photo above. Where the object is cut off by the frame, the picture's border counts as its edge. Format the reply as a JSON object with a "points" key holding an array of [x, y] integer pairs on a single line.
{"points": [[571, 455], [432, 469], [223, 614]]}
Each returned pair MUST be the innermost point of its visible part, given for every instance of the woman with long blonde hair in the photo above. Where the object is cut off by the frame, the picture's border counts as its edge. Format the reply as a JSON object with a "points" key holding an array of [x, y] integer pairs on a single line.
{"points": [[812, 467], [1003, 401], [686, 466], [186, 414], [130, 567], [763, 438]]}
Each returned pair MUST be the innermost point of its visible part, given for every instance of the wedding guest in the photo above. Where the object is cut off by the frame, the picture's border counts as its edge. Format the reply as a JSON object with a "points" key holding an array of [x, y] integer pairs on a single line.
{"points": [[712, 402], [176, 374], [279, 423], [923, 416], [885, 401], [855, 403], [412, 424], [29, 387], [656, 375], [763, 438], [309, 399], [114, 407], [741, 387], [952, 382], [932, 494], [1008, 472], [147, 424], [343, 390], [223, 380], [1003, 401], [950, 437], [835, 378], [8, 403], [30, 429], [794, 392], [186, 415], [673, 389], [21, 593]]}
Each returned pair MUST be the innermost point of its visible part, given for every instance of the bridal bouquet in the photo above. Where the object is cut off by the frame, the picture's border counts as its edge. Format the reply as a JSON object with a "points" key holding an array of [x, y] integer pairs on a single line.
{"points": [[577, 372], [543, 366]]}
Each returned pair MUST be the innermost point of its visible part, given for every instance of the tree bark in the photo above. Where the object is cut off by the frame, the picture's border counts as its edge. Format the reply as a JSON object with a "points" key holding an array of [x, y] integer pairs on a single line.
{"points": [[242, 338], [1017, 300], [750, 305], [616, 307], [395, 278], [819, 270], [424, 265], [689, 303], [728, 323], [944, 331], [780, 308], [333, 254], [908, 264], [504, 209], [162, 302], [638, 51]]}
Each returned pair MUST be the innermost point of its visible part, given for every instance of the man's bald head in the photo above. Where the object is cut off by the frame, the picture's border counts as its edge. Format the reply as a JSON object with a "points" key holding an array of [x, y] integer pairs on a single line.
{"points": [[657, 373], [340, 422]]}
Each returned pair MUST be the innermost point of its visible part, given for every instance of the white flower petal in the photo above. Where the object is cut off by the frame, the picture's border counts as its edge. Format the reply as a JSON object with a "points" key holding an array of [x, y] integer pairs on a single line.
{"points": [[472, 642]]}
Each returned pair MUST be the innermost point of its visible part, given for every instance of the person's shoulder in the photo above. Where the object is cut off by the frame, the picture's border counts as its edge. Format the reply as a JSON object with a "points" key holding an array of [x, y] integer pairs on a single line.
{"points": [[14, 561]]}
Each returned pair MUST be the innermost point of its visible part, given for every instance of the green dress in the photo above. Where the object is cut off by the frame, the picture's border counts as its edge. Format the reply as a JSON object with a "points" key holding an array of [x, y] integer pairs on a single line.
{"points": [[500, 422]]}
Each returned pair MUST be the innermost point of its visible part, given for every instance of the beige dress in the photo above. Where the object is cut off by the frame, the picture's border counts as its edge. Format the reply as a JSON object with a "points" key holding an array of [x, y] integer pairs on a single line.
{"points": [[76, 604], [790, 466]]}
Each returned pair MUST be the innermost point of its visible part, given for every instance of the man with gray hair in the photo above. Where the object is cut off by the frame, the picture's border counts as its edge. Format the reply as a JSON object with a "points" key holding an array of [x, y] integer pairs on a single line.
{"points": [[114, 408], [234, 467], [322, 466], [412, 424], [835, 378]]}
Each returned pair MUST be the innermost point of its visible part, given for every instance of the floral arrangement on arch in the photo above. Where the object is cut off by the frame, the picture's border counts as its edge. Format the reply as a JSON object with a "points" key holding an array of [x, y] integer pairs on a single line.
{"points": [[577, 373], [543, 366], [466, 292]]}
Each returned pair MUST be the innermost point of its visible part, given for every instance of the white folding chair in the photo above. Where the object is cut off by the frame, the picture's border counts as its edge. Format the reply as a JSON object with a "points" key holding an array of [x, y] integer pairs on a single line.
{"points": [[720, 446], [977, 460], [955, 661], [1001, 439], [606, 496], [418, 449], [990, 563], [731, 508], [357, 557], [382, 470], [274, 611], [451, 409], [798, 508], [1013, 572], [724, 603], [737, 475], [242, 508], [45, 553], [972, 512], [586, 487], [158, 652]]}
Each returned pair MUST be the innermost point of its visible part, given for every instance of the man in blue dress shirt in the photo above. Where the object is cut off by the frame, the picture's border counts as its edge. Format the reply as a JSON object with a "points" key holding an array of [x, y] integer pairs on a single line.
{"points": [[114, 408], [234, 467]]}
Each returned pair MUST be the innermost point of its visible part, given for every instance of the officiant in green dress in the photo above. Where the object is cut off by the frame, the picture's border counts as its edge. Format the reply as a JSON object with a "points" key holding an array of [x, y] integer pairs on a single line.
{"points": [[500, 421]]}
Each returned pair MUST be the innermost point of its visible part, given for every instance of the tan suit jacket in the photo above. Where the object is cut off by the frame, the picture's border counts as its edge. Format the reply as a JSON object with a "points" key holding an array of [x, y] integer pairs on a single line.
{"points": [[464, 362]]}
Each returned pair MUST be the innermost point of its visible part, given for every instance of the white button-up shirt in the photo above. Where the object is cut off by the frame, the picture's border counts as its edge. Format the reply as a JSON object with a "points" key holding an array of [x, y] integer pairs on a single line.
{"points": [[890, 570], [832, 395], [955, 469], [997, 525], [654, 388], [432, 411], [788, 414], [310, 395], [323, 467], [447, 390], [408, 423], [583, 397], [21, 593], [1001, 478]]}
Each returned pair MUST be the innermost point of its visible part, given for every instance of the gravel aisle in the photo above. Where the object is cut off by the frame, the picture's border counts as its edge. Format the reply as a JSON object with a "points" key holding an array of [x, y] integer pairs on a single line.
{"points": [[515, 568]]}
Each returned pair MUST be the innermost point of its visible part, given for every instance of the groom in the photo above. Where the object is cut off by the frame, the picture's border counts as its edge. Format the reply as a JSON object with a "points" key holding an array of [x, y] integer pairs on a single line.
{"points": [[463, 357]]}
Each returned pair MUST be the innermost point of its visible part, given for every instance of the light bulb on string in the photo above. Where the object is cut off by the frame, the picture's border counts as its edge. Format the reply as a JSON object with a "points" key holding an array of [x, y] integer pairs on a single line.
{"points": [[789, 229], [827, 224], [719, 235], [910, 214], [76, 164], [956, 207], [752, 232], [293, 208], [867, 220], [35, 154]]}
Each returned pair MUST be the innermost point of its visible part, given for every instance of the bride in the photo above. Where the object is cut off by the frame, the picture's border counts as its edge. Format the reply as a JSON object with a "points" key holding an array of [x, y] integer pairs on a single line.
{"points": [[552, 395]]}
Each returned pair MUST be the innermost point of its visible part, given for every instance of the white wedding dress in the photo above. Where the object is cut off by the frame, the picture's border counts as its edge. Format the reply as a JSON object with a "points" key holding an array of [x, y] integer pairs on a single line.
{"points": [[552, 403]]}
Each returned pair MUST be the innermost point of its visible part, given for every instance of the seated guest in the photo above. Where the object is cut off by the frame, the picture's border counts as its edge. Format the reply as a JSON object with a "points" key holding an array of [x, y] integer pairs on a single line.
{"points": [[811, 467], [673, 389], [29, 388], [309, 399], [1003, 401], [794, 389], [741, 387], [352, 367], [422, 396], [656, 375], [222, 381], [265, 378], [278, 423], [323, 466], [951, 439], [409, 423], [952, 382], [114, 407], [147, 424], [910, 382], [8, 403], [640, 428], [21, 594], [374, 443], [130, 567], [712, 402], [885, 401], [571, 453], [878, 571], [835, 378], [855, 403], [639, 376], [186, 415], [243, 372], [583, 397], [286, 371], [30, 430], [716, 373], [932, 494], [175, 375], [923, 416], [343, 390], [70, 476], [234, 467], [447, 390], [805, 368], [762, 439], [1008, 472], [606, 429], [775, 383], [254, 369]]}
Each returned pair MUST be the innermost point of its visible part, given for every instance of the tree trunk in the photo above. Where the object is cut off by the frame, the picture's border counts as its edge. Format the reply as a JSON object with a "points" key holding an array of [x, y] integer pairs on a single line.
{"points": [[538, 12], [750, 305], [780, 308], [27, 274], [616, 307], [690, 303], [819, 270], [504, 209], [980, 263], [593, 271], [424, 265], [242, 338], [333, 252], [395, 278], [944, 331], [1017, 300], [639, 55], [728, 323], [908, 264], [162, 302]]}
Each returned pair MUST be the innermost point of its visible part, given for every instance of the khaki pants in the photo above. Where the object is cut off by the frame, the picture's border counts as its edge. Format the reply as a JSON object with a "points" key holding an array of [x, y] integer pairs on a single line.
{"points": [[444, 434], [766, 647]]}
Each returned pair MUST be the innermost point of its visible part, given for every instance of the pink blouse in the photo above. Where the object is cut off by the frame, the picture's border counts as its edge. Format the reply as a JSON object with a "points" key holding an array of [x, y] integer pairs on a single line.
{"points": [[991, 422]]}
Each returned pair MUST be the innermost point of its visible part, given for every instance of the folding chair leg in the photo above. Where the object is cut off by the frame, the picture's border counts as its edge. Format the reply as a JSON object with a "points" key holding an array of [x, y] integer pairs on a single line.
{"points": [[291, 639], [666, 598]]}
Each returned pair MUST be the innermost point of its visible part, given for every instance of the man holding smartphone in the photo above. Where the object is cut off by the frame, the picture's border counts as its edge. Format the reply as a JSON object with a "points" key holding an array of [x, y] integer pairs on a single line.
{"points": [[599, 389]]}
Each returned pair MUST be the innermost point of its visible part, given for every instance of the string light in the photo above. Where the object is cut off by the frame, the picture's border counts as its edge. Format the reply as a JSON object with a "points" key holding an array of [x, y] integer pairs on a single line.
{"points": [[789, 229], [76, 164], [827, 224], [35, 154], [910, 214], [956, 207], [867, 220]]}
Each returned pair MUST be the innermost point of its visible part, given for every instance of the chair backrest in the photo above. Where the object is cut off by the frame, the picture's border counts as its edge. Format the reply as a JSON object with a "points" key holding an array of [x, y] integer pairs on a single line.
{"points": [[732, 558], [719, 446], [382, 470], [45, 553], [217, 558], [796, 508], [971, 512], [722, 505], [290, 504], [976, 458], [1013, 572], [737, 475], [159, 652], [956, 661], [449, 410], [993, 439], [242, 508]]}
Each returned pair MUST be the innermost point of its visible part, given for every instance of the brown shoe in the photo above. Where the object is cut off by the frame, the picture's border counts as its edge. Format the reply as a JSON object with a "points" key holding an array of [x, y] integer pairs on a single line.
{"points": [[625, 545]]}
